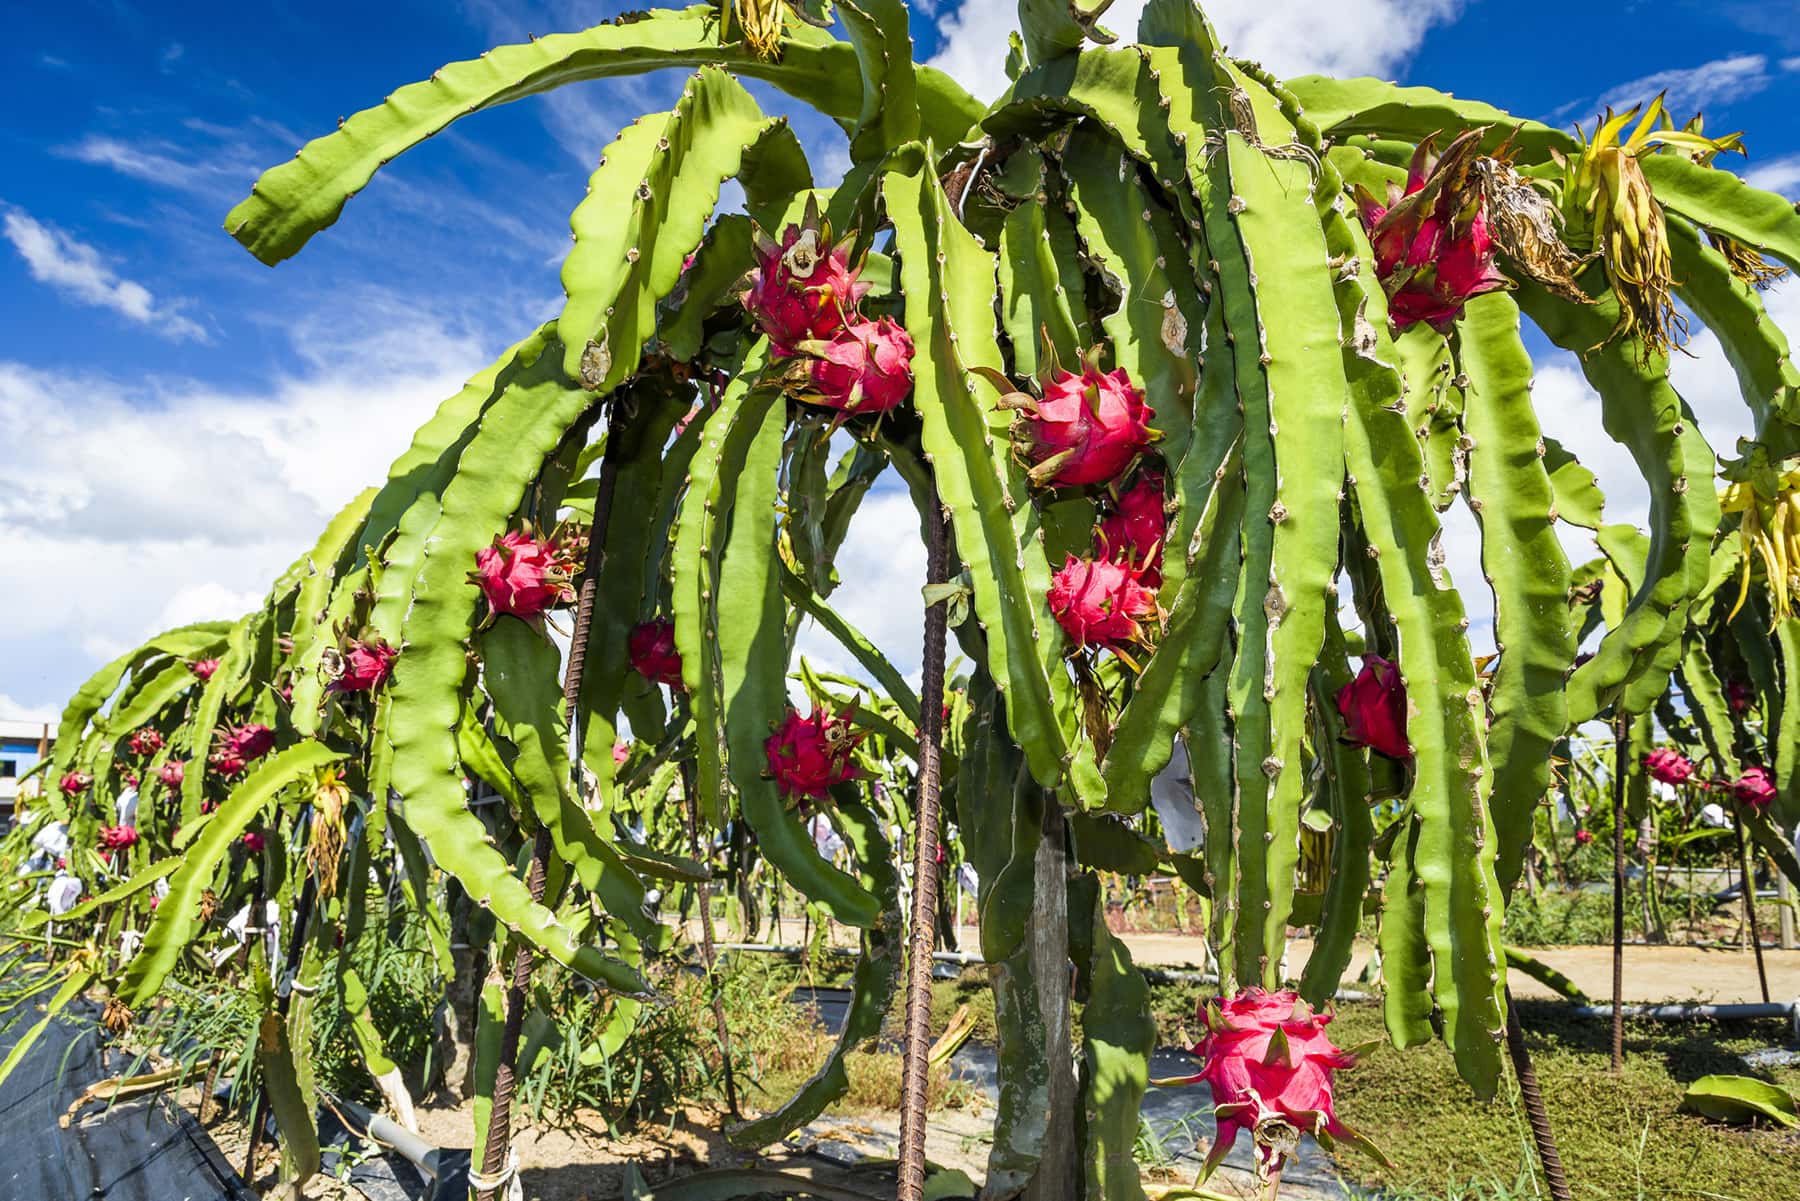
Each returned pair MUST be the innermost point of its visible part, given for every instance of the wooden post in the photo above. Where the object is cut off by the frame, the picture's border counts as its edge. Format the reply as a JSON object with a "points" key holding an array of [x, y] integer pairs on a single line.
{"points": [[1047, 936], [1785, 893]]}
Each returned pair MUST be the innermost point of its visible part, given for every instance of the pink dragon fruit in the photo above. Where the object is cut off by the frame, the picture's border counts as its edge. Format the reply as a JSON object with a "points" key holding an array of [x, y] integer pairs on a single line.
{"points": [[254, 842], [1583, 837], [172, 773], [1133, 531], [203, 669], [1434, 251], [1755, 788], [145, 741], [1740, 696], [1100, 603], [117, 838], [651, 647], [807, 755], [367, 665], [866, 367], [1088, 428], [1270, 1065], [523, 575], [1669, 766], [251, 740], [1374, 709], [75, 783], [805, 288], [621, 752], [238, 746]]}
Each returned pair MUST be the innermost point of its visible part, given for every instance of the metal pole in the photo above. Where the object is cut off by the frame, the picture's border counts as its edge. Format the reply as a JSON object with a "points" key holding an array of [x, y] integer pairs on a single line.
{"points": [[917, 1041], [1748, 889], [1621, 748], [707, 947], [499, 1133], [1533, 1097]]}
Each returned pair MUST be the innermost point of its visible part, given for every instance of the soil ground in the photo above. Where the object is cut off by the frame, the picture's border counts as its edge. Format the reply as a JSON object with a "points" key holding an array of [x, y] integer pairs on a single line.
{"points": [[581, 1162], [1652, 973]]}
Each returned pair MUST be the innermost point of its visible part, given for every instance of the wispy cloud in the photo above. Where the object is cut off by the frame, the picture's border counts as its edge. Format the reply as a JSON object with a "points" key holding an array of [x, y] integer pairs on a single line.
{"points": [[1718, 82], [164, 164], [1791, 64], [1777, 175], [78, 271], [1291, 37]]}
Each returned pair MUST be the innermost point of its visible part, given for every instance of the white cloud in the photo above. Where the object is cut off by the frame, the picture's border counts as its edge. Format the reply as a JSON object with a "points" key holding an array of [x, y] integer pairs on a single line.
{"points": [[1290, 37], [1718, 82], [131, 505], [882, 566], [78, 271], [11, 710], [1777, 175], [161, 164], [1791, 64]]}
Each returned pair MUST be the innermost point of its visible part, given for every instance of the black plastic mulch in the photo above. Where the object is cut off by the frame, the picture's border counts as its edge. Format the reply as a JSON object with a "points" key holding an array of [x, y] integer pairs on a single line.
{"points": [[148, 1148], [145, 1149]]}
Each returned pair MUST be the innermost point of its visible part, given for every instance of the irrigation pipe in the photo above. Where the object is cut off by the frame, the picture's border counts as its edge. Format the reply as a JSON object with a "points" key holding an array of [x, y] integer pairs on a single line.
{"points": [[1739, 1012], [384, 1130]]}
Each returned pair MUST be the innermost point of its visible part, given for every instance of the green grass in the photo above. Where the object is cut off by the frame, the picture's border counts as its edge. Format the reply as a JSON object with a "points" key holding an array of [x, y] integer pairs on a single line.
{"points": [[1621, 1139], [1552, 917]]}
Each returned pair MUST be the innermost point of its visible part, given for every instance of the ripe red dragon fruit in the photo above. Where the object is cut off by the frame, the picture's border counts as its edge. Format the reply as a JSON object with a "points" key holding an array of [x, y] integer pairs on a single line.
{"points": [[1374, 708], [1270, 1065], [621, 752], [238, 746], [807, 755], [1583, 837], [1740, 696], [75, 783], [254, 842], [523, 575], [1669, 766], [1088, 428], [1132, 532], [1100, 603], [1434, 250], [203, 669], [172, 773], [1754, 788], [366, 666], [805, 288], [866, 367], [651, 647], [145, 741], [117, 838], [251, 740]]}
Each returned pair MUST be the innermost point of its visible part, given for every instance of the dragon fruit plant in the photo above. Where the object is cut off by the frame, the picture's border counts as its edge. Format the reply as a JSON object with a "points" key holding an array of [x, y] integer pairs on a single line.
{"points": [[1279, 298]]}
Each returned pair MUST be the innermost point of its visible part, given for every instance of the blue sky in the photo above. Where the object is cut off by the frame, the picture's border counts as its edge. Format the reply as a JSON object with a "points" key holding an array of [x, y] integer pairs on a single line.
{"points": [[179, 419]]}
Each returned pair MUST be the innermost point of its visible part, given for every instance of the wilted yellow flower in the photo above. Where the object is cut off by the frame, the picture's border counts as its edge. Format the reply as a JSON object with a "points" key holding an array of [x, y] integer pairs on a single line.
{"points": [[1607, 198], [760, 21], [1766, 495]]}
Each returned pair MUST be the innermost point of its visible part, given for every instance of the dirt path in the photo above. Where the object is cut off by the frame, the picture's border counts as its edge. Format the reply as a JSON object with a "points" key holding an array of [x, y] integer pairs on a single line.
{"points": [[1652, 973], [1657, 973]]}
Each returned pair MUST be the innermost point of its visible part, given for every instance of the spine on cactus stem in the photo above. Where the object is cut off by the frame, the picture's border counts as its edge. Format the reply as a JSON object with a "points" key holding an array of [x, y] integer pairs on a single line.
{"points": [[495, 1163]]}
